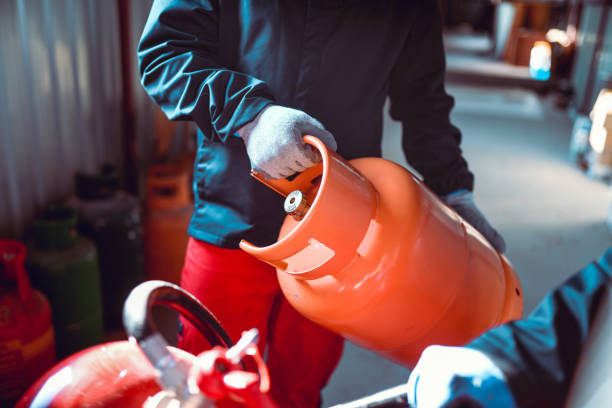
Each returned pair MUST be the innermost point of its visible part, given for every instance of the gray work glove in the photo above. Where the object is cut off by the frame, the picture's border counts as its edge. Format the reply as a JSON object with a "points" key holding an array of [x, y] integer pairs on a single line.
{"points": [[463, 203], [274, 142]]}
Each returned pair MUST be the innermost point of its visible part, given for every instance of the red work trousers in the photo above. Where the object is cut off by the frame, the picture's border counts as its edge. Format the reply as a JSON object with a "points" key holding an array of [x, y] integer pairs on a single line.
{"points": [[243, 293]]}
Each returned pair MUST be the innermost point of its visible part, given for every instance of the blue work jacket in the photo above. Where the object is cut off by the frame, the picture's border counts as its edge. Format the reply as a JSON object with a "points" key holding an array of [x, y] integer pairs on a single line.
{"points": [[539, 355], [219, 63]]}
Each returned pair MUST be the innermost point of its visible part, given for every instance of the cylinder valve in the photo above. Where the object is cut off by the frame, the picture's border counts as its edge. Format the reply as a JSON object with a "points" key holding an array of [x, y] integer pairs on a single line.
{"points": [[296, 205]]}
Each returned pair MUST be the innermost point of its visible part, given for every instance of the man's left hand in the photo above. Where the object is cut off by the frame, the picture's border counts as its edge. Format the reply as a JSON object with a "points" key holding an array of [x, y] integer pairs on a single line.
{"points": [[463, 203]]}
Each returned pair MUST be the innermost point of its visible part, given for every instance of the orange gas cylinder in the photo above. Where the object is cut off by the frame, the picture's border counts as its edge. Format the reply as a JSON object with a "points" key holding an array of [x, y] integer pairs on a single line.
{"points": [[168, 212], [372, 254]]}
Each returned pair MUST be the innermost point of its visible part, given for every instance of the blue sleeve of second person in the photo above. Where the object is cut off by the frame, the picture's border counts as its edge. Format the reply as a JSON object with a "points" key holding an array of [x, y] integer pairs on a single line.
{"points": [[181, 70], [539, 354]]}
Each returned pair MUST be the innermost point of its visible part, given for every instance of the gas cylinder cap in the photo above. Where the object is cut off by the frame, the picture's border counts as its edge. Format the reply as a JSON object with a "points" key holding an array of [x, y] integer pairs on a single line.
{"points": [[296, 205]]}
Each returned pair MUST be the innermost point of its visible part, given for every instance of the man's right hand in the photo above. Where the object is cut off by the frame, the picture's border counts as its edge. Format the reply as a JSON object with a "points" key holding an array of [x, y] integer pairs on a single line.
{"points": [[457, 377], [274, 142]]}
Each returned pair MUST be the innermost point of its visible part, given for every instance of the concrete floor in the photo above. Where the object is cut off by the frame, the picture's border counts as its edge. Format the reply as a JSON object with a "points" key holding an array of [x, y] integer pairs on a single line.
{"points": [[551, 215]]}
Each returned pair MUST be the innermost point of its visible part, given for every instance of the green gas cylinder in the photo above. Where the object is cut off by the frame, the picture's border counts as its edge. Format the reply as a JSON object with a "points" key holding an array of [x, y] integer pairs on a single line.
{"points": [[64, 266], [111, 218]]}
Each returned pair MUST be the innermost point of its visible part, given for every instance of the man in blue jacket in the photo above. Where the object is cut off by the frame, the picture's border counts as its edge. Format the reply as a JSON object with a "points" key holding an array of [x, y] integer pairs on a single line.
{"points": [[257, 75]]}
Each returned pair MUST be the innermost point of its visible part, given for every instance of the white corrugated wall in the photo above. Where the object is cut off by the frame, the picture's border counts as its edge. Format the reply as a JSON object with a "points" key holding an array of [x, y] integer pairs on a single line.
{"points": [[60, 94]]}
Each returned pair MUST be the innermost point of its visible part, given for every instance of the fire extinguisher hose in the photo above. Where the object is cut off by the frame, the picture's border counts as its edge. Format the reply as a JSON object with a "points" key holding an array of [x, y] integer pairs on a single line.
{"points": [[139, 324]]}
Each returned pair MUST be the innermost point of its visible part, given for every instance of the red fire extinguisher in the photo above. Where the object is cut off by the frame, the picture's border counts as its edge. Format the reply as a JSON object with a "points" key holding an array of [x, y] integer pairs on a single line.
{"points": [[146, 372], [27, 346]]}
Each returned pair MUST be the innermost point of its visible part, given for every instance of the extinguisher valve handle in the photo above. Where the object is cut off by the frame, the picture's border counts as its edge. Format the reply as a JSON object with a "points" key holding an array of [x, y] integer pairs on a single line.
{"points": [[173, 373], [248, 340]]}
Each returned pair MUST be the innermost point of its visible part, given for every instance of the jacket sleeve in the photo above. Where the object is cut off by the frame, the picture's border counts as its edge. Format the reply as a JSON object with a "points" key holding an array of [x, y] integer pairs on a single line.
{"points": [[181, 70], [419, 101], [539, 354]]}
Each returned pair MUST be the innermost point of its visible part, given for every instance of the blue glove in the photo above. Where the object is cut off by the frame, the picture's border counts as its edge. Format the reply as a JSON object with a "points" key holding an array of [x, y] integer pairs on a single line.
{"points": [[274, 142], [457, 377], [462, 202]]}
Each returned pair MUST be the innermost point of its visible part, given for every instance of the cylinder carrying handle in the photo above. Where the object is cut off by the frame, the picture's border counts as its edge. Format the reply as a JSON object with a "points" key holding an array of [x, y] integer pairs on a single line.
{"points": [[315, 195], [285, 186]]}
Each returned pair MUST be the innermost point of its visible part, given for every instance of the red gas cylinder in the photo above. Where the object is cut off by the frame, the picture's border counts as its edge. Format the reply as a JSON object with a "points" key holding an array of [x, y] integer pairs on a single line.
{"points": [[146, 372], [27, 347], [372, 254]]}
